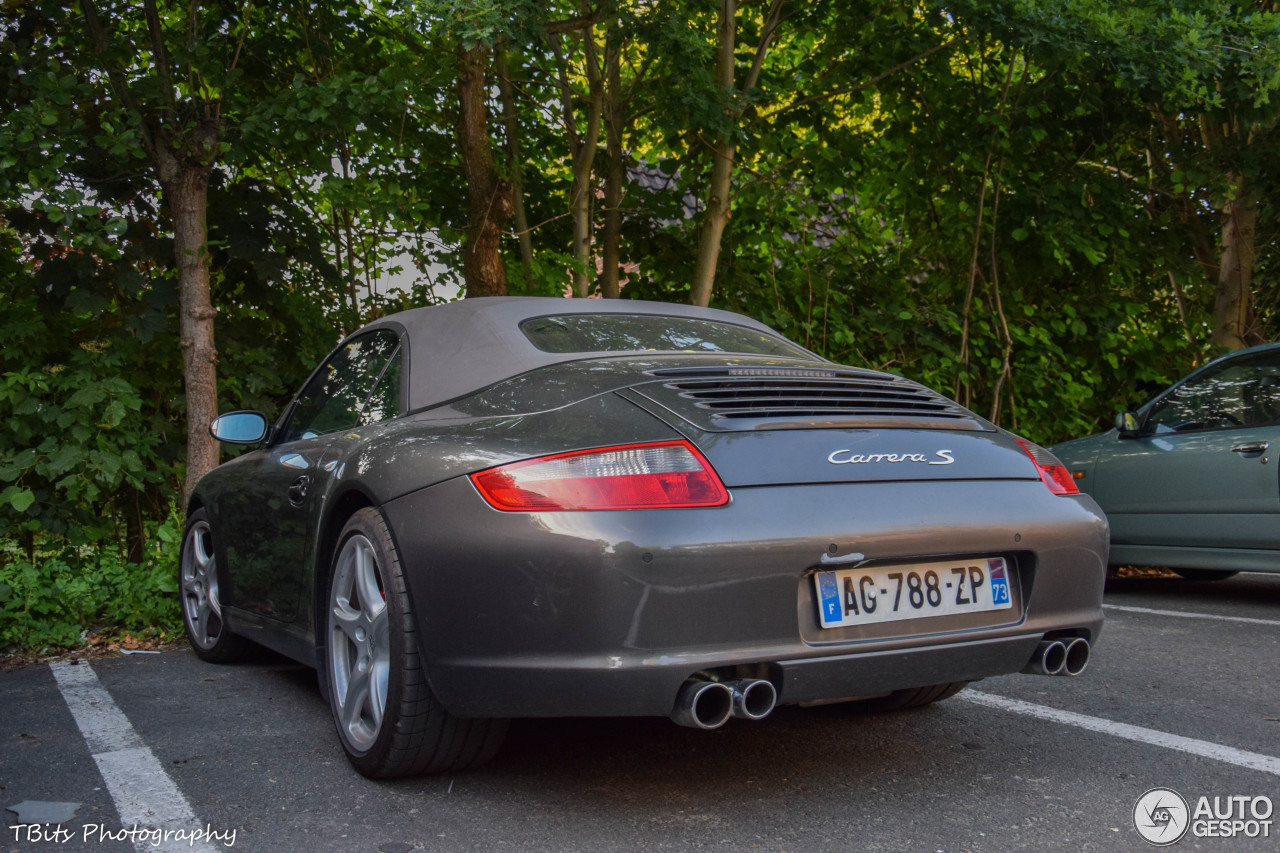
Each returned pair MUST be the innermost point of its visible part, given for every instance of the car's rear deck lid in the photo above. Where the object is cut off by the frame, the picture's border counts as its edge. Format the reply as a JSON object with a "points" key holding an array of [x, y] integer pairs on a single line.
{"points": [[774, 457]]}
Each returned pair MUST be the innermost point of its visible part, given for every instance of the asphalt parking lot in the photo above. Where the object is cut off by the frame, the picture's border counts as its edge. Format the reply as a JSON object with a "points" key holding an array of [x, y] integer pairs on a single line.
{"points": [[1182, 693]]}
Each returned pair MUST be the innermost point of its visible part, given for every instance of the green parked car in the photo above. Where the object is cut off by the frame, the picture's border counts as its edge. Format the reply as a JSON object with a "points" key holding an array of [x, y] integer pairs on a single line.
{"points": [[1192, 479]]}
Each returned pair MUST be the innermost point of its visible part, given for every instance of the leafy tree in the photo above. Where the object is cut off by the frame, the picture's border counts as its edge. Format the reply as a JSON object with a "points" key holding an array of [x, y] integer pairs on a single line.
{"points": [[918, 203], [734, 98], [470, 31], [1201, 79], [92, 383], [354, 135], [174, 102]]}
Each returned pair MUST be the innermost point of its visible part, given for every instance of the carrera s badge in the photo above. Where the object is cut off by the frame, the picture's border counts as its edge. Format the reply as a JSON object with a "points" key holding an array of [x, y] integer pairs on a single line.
{"points": [[848, 457]]}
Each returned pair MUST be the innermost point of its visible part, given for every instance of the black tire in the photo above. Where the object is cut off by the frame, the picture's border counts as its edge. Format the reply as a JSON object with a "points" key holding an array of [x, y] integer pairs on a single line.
{"points": [[388, 721], [1205, 574], [914, 697], [208, 635]]}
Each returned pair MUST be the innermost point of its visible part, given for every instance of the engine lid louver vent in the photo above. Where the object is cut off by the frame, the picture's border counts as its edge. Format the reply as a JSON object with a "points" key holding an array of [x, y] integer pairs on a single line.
{"points": [[769, 398]]}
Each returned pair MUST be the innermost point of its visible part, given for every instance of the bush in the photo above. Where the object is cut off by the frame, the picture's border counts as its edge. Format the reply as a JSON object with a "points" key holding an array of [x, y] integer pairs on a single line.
{"points": [[54, 599]]}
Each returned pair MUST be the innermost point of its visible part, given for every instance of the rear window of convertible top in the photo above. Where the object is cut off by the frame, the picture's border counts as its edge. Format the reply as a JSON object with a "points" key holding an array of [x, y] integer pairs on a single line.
{"points": [[573, 333]]}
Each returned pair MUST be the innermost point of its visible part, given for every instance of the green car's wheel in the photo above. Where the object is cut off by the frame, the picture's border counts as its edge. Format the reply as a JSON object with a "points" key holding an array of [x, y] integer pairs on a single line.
{"points": [[388, 720]]}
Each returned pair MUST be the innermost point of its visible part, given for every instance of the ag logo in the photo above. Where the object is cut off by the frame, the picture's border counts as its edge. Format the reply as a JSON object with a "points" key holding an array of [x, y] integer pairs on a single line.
{"points": [[1161, 816]]}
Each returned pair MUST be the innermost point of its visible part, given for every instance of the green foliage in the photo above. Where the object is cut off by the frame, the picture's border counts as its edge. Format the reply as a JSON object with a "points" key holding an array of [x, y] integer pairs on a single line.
{"points": [[480, 22], [960, 223], [86, 386], [50, 599], [91, 384], [90, 365]]}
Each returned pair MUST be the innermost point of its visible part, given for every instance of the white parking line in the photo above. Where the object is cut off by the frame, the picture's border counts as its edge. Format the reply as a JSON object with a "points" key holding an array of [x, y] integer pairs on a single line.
{"points": [[1203, 748], [145, 796], [1185, 615]]}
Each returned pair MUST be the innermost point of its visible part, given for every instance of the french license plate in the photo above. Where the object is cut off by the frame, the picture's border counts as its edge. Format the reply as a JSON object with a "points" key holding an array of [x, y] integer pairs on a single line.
{"points": [[889, 593]]}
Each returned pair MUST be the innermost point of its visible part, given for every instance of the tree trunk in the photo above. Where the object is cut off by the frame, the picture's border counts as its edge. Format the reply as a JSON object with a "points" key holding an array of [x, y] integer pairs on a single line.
{"points": [[135, 535], [615, 177], [183, 162], [187, 195], [489, 198], [717, 212], [581, 208], [511, 126], [714, 220], [1233, 303], [582, 150]]}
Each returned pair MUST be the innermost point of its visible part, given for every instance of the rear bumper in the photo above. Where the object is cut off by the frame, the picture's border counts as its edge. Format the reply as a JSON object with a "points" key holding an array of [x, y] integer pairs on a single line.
{"points": [[607, 614], [555, 688]]}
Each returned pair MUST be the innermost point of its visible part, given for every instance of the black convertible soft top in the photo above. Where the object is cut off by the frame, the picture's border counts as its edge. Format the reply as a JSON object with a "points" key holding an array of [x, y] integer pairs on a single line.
{"points": [[458, 348]]}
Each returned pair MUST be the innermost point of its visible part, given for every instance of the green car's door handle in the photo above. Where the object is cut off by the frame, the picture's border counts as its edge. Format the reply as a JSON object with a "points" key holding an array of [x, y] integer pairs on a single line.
{"points": [[1252, 447]]}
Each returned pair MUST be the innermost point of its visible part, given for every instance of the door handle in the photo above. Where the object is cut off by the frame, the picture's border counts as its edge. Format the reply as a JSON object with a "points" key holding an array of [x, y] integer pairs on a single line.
{"points": [[1251, 447], [298, 491]]}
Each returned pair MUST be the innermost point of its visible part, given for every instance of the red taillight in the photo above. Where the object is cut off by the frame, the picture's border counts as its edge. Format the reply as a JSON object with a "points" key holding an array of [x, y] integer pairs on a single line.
{"points": [[1054, 474], [659, 475]]}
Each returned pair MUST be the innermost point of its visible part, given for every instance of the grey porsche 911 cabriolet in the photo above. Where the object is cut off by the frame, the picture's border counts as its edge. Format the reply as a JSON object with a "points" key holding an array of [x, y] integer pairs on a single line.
{"points": [[523, 507]]}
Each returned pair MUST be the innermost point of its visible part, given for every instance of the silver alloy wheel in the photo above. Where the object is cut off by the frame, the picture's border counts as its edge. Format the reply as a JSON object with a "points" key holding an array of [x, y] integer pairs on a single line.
{"points": [[358, 649], [200, 605]]}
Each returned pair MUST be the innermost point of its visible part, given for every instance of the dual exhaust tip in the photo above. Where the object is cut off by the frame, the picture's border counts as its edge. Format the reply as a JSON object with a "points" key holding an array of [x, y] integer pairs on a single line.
{"points": [[709, 704], [1059, 657]]}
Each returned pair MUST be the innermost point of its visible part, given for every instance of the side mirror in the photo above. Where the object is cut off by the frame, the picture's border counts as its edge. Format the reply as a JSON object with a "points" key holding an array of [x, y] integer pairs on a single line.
{"points": [[1127, 424], [239, 427]]}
